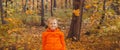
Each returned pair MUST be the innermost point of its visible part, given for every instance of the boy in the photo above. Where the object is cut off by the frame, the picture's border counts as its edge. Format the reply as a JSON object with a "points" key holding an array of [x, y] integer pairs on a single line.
{"points": [[53, 38]]}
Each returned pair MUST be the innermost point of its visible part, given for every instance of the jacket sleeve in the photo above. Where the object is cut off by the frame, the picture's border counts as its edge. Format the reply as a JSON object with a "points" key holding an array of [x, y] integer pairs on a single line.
{"points": [[43, 40], [62, 41]]}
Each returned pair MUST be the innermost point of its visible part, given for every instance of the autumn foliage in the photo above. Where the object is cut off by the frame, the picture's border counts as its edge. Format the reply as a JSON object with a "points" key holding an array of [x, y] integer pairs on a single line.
{"points": [[22, 30]]}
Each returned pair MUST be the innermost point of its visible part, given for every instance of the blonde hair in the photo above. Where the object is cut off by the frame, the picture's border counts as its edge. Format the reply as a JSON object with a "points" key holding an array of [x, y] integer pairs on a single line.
{"points": [[51, 18]]}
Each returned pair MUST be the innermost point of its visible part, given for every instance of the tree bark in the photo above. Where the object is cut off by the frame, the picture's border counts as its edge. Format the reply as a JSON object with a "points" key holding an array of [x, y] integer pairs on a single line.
{"points": [[115, 6], [46, 5], [75, 27], [33, 4], [25, 6], [22, 4], [55, 5], [42, 13], [51, 8], [66, 3], [2, 12], [103, 15], [6, 7], [70, 4], [37, 4]]}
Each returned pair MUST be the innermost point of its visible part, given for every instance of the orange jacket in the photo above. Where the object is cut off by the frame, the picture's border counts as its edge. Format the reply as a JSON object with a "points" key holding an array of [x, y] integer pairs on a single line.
{"points": [[53, 40]]}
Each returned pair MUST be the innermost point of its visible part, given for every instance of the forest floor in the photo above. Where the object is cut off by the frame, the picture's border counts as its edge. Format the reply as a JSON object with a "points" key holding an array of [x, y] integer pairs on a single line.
{"points": [[87, 42], [31, 40]]}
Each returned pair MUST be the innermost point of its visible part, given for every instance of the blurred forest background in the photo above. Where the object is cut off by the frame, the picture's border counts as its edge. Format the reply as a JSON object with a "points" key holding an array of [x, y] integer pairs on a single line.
{"points": [[87, 24]]}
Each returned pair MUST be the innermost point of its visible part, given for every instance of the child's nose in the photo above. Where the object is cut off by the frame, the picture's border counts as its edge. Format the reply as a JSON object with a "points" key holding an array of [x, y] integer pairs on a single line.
{"points": [[53, 24]]}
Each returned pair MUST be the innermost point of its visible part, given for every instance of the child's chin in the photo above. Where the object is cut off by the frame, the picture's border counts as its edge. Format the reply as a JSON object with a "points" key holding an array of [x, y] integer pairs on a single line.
{"points": [[53, 28]]}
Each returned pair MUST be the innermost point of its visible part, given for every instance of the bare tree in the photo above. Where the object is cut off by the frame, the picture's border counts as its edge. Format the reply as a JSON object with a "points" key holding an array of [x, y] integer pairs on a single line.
{"points": [[66, 3], [37, 4], [46, 5], [25, 6], [55, 5], [33, 4], [6, 7], [70, 3], [116, 6], [51, 7], [42, 13], [22, 3], [2, 12]]}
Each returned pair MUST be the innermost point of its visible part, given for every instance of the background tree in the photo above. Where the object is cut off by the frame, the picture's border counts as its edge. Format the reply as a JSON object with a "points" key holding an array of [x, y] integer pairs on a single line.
{"points": [[37, 4], [51, 7], [70, 3], [46, 5], [25, 6], [6, 7], [103, 15], [33, 4], [76, 22], [22, 3], [66, 2], [55, 5], [116, 6], [2, 12], [42, 13]]}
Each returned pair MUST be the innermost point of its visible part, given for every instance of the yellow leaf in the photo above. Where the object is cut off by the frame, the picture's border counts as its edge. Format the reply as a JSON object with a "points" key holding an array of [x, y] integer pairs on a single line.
{"points": [[88, 6], [95, 5], [29, 12], [9, 31], [76, 12]]}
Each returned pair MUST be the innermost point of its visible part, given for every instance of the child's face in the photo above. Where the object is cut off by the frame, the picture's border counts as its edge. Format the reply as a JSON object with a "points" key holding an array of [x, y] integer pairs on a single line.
{"points": [[53, 24]]}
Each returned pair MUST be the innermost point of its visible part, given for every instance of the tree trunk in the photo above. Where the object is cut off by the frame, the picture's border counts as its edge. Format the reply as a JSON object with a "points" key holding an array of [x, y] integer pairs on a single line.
{"points": [[46, 5], [25, 6], [2, 12], [22, 4], [70, 4], [6, 7], [39, 7], [55, 5], [37, 4], [66, 3], [75, 27], [115, 6], [42, 13], [103, 15], [33, 4], [51, 8]]}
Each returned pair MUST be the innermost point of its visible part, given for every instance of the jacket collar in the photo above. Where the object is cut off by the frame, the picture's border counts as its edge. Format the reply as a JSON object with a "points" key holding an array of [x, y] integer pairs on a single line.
{"points": [[49, 30]]}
